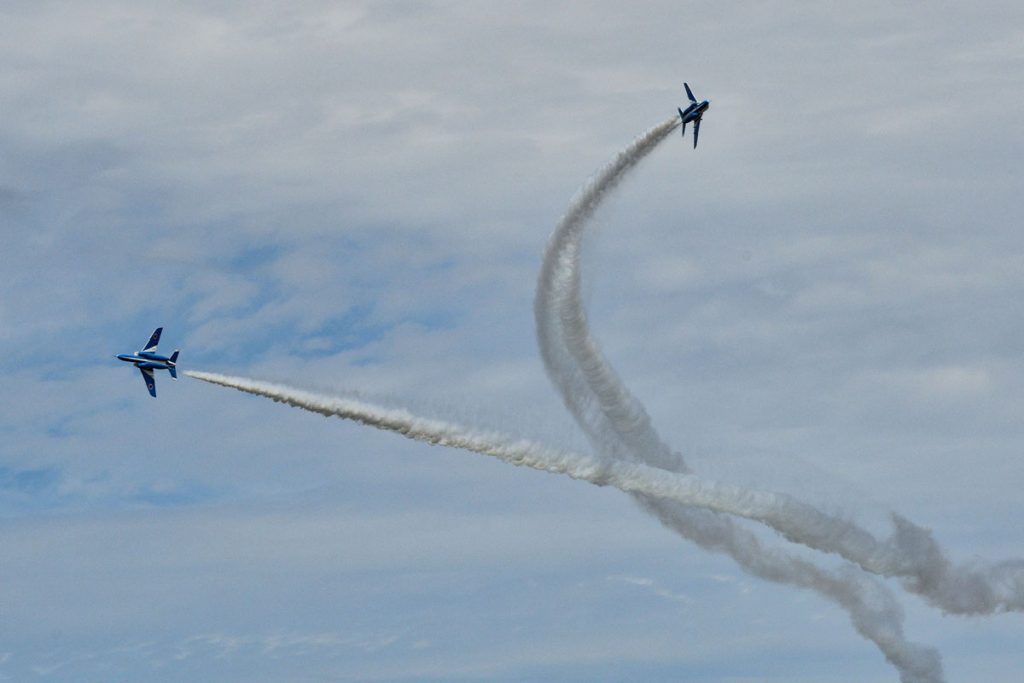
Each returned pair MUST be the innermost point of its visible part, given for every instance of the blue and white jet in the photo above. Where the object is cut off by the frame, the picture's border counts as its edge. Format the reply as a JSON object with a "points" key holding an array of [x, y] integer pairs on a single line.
{"points": [[694, 112], [147, 360]]}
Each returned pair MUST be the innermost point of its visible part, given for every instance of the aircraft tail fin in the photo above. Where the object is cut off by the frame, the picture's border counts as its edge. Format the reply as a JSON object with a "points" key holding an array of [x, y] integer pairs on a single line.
{"points": [[174, 357], [173, 371], [682, 116]]}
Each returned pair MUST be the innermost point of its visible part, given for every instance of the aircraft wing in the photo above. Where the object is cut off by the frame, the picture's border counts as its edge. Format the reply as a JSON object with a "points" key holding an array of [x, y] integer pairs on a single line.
{"points": [[153, 340], [147, 377], [696, 132]]}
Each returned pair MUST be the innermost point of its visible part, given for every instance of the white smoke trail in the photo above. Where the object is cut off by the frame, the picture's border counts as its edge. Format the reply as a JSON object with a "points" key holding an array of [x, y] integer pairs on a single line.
{"points": [[437, 432], [619, 427], [794, 520], [630, 477], [874, 613], [872, 609]]}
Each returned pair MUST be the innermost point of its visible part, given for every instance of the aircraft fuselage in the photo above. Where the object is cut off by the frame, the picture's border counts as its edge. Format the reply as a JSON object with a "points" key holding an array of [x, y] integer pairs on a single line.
{"points": [[145, 359], [695, 111]]}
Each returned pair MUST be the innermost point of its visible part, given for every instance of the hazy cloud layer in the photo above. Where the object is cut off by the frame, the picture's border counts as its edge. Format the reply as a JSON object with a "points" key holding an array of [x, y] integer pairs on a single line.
{"points": [[357, 196]]}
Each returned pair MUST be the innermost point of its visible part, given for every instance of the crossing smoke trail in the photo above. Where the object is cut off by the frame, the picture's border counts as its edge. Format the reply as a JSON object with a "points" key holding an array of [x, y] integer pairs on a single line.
{"points": [[619, 428], [636, 460]]}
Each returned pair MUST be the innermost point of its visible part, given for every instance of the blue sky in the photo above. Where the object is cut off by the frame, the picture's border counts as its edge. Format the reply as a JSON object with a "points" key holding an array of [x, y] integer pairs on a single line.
{"points": [[823, 299]]}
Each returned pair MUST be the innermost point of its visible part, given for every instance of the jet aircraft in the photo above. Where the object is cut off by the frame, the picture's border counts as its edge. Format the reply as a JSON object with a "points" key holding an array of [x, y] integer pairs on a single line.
{"points": [[147, 360], [694, 112]]}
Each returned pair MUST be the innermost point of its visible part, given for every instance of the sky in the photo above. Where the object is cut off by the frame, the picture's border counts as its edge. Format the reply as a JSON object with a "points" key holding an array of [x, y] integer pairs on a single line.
{"points": [[822, 299]]}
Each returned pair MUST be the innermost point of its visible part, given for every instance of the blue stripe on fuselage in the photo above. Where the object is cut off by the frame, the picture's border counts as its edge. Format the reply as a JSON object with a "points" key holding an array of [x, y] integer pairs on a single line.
{"points": [[147, 361], [153, 356]]}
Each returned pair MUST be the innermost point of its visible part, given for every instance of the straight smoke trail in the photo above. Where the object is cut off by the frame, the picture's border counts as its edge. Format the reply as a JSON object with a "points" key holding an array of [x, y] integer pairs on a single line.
{"points": [[630, 477], [872, 609], [625, 476], [796, 521], [520, 452], [618, 427]]}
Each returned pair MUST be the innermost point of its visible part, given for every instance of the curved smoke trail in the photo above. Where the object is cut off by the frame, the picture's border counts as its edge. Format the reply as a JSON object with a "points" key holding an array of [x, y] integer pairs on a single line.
{"points": [[618, 423], [618, 427], [636, 460]]}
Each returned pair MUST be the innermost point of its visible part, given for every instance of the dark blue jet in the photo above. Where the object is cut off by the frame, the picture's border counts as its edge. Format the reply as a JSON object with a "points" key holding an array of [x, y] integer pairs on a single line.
{"points": [[694, 112], [147, 360]]}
